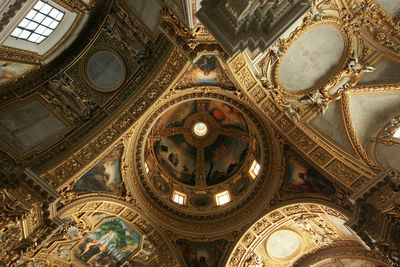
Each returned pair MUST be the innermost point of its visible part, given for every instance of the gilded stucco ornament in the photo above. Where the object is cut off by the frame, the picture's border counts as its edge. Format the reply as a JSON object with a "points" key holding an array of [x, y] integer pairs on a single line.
{"points": [[161, 203]]}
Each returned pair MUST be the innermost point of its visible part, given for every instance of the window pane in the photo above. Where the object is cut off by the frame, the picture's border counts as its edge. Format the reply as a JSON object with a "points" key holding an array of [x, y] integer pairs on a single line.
{"points": [[25, 34], [47, 32], [33, 37], [16, 32], [60, 16], [31, 14], [39, 17], [32, 26], [40, 39], [47, 21], [38, 5], [54, 24], [54, 13], [40, 29], [23, 23], [45, 9]]}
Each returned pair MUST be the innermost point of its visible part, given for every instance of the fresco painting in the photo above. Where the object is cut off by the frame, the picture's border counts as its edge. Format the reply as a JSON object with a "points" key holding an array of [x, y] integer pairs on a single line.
{"points": [[198, 254], [161, 185], [201, 200], [223, 158], [109, 245], [302, 178], [177, 157], [240, 186], [104, 176], [10, 70], [175, 117], [206, 71], [226, 116]]}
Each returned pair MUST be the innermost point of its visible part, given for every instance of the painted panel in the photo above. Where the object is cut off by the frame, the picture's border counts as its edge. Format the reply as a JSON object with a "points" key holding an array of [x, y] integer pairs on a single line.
{"points": [[104, 176], [302, 178], [206, 70], [10, 71], [109, 245], [198, 254]]}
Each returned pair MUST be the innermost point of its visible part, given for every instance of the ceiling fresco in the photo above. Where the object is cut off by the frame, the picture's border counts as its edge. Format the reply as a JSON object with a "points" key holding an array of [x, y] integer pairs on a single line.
{"points": [[202, 133], [176, 147], [206, 70]]}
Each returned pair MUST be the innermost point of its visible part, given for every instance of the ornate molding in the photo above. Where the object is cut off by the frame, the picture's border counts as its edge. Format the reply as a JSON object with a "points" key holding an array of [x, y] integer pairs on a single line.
{"points": [[122, 122], [351, 133], [341, 249], [174, 218], [344, 170], [273, 219]]}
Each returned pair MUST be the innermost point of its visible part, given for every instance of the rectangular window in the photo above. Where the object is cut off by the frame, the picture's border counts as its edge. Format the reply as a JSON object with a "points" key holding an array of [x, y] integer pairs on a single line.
{"points": [[39, 23], [222, 198], [178, 197], [146, 167], [254, 169], [397, 133]]}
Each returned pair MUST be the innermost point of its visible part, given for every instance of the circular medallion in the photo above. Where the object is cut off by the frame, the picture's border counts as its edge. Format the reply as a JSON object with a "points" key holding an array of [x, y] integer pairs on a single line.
{"points": [[283, 244], [105, 71]]}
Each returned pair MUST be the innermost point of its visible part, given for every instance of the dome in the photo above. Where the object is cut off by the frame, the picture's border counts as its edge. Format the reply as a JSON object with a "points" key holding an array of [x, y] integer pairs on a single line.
{"points": [[200, 142], [201, 155]]}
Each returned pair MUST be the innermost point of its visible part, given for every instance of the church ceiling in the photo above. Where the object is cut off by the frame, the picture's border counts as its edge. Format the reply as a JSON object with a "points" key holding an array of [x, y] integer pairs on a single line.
{"points": [[144, 141]]}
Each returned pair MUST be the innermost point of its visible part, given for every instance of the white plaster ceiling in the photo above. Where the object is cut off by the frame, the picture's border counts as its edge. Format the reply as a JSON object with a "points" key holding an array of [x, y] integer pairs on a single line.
{"points": [[385, 72], [370, 113], [388, 156], [331, 126], [311, 59], [283, 243], [392, 7]]}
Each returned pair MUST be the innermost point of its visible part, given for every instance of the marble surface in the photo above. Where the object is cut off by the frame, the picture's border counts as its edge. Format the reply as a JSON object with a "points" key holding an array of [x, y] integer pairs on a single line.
{"points": [[312, 58]]}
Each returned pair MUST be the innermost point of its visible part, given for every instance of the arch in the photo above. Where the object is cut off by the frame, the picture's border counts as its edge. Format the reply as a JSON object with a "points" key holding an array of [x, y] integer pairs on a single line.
{"points": [[87, 214], [316, 221], [342, 250]]}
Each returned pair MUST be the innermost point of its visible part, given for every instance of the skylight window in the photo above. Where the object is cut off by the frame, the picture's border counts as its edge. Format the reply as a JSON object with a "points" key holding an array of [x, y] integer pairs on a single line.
{"points": [[39, 23], [222, 198], [397, 133], [178, 197], [254, 169]]}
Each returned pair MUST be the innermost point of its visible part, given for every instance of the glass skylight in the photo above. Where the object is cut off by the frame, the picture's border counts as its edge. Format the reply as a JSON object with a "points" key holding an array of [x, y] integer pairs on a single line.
{"points": [[39, 23]]}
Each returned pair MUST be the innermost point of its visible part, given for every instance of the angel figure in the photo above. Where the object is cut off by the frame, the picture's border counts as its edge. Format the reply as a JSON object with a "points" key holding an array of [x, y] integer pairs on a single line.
{"points": [[355, 66], [316, 99]]}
